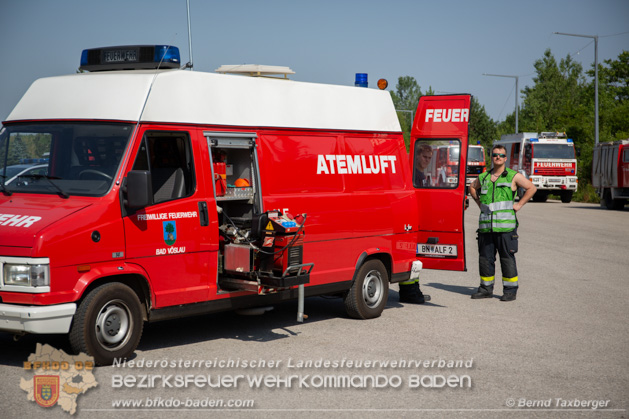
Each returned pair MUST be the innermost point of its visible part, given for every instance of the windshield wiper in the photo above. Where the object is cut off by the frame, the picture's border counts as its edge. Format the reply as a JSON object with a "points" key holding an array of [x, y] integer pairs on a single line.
{"points": [[61, 192], [4, 188]]}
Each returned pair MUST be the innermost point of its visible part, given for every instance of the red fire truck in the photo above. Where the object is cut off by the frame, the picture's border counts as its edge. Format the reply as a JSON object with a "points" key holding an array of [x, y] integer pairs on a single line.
{"points": [[475, 162], [610, 173], [170, 193], [548, 159]]}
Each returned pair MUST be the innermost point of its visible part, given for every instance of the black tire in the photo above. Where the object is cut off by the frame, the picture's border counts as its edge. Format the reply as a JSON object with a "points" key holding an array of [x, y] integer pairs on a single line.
{"points": [[368, 295], [108, 323], [566, 197], [618, 204], [607, 201], [540, 197]]}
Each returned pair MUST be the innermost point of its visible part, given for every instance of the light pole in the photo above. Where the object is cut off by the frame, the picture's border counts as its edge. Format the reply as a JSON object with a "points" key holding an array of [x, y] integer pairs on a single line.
{"points": [[516, 95], [595, 37]]}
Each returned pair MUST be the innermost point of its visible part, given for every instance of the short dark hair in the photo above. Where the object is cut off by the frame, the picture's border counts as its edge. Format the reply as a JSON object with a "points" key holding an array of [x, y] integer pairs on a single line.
{"points": [[499, 146]]}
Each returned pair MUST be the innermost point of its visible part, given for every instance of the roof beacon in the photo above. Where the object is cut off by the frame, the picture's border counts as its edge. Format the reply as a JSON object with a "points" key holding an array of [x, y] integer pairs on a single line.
{"points": [[133, 57], [361, 80]]}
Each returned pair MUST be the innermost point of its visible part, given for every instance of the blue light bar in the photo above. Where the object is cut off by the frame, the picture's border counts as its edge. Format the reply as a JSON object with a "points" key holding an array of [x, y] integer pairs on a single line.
{"points": [[133, 57], [570, 140], [534, 140], [166, 54]]}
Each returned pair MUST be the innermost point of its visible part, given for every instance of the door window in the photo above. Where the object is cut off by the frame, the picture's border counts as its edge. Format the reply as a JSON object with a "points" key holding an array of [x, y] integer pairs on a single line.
{"points": [[436, 163], [168, 157]]}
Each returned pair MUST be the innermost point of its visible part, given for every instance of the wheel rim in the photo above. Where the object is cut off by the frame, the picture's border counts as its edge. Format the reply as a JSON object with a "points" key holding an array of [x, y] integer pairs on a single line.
{"points": [[113, 325], [373, 289]]}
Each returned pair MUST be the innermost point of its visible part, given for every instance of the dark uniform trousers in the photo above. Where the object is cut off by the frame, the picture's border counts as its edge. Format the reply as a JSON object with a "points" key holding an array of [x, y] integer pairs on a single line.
{"points": [[506, 245]]}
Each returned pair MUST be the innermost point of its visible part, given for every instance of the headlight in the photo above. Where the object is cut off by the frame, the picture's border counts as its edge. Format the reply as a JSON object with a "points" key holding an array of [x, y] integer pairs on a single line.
{"points": [[26, 275]]}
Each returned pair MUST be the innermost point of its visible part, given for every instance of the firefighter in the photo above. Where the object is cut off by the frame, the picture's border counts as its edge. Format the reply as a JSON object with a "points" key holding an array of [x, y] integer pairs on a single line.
{"points": [[409, 290], [494, 192], [423, 155]]}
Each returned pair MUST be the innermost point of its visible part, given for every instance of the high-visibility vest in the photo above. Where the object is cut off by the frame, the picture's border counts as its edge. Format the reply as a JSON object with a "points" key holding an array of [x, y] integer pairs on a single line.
{"points": [[496, 203]]}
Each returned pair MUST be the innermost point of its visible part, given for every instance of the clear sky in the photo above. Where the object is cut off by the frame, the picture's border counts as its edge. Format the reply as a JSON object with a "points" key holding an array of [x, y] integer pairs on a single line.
{"points": [[443, 44]]}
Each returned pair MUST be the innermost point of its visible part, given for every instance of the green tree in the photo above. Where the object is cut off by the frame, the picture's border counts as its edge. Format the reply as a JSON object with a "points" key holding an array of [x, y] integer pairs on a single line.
{"points": [[613, 97], [555, 99], [405, 99]]}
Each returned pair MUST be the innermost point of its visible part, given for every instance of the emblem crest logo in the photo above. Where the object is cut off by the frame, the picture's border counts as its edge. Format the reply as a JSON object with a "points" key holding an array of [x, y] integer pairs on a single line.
{"points": [[46, 390], [170, 232]]}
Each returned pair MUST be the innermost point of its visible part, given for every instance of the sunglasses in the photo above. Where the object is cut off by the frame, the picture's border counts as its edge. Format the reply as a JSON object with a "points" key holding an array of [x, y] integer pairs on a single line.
{"points": [[498, 155]]}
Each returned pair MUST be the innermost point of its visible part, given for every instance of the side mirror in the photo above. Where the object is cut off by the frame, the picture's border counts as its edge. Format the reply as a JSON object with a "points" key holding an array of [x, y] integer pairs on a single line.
{"points": [[139, 190]]}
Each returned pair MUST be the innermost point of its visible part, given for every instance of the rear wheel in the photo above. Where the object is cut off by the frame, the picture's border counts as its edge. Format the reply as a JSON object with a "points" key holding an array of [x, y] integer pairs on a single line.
{"points": [[618, 204], [108, 323], [368, 295], [607, 201]]}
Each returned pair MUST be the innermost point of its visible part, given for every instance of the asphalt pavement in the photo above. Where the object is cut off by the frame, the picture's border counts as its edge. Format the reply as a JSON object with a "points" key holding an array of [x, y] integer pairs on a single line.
{"points": [[559, 350]]}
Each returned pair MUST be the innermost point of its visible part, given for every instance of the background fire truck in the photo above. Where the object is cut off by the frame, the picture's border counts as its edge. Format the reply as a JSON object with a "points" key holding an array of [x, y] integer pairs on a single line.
{"points": [[610, 173], [547, 159], [475, 163], [444, 166]]}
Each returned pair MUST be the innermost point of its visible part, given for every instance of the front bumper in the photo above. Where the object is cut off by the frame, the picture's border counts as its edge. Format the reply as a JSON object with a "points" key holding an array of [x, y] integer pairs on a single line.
{"points": [[555, 183], [36, 319]]}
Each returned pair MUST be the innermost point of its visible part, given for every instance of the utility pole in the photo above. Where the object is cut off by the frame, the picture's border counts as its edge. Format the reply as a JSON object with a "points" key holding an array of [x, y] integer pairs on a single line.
{"points": [[595, 37]]}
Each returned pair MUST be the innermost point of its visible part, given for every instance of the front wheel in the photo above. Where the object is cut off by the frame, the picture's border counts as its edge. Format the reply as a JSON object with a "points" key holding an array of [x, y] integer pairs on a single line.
{"points": [[108, 323], [368, 295], [566, 197], [540, 196]]}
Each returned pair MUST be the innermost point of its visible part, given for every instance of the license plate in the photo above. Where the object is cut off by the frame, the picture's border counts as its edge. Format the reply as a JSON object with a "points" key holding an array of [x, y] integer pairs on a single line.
{"points": [[554, 180], [439, 250]]}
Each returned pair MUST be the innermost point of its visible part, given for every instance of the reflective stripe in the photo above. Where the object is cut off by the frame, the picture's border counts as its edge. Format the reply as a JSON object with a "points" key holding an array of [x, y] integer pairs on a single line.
{"points": [[503, 184], [510, 280], [510, 226], [411, 282], [487, 280], [502, 205], [504, 216]]}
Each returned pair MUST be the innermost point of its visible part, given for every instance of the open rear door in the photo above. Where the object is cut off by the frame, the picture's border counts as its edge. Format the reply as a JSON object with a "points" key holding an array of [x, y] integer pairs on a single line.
{"points": [[438, 154]]}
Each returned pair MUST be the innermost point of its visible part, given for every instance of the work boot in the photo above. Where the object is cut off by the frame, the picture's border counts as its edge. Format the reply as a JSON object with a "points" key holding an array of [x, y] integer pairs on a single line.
{"points": [[509, 294], [483, 292], [410, 293]]}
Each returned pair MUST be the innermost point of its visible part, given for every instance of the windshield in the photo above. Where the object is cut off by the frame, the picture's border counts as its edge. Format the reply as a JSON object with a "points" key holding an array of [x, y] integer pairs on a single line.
{"points": [[553, 151], [475, 154], [61, 158], [453, 154]]}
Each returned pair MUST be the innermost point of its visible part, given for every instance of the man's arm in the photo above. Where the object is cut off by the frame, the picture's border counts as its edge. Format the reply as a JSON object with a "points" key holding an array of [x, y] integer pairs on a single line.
{"points": [[530, 189], [474, 188]]}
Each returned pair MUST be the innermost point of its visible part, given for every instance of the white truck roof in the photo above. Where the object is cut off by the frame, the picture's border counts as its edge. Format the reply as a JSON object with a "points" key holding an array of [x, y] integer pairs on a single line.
{"points": [[515, 138], [190, 97]]}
